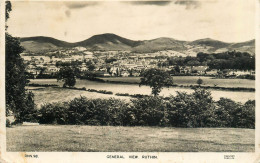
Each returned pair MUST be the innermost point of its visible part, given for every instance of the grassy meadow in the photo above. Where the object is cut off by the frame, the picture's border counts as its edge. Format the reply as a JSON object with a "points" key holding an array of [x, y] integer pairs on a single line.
{"points": [[79, 138], [192, 80], [46, 95], [50, 95], [47, 138]]}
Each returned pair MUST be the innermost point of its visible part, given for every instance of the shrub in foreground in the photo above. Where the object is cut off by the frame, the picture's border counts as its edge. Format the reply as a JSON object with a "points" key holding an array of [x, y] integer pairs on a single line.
{"points": [[192, 110], [96, 111], [147, 111], [183, 110], [55, 113]]}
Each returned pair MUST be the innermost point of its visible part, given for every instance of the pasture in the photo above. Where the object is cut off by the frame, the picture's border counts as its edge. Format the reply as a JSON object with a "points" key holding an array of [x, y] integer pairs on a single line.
{"points": [[49, 95], [76, 138], [46, 95], [192, 80]]}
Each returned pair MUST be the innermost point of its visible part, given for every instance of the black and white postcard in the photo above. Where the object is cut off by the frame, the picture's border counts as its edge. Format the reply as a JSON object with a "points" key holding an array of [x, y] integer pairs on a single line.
{"points": [[130, 81]]}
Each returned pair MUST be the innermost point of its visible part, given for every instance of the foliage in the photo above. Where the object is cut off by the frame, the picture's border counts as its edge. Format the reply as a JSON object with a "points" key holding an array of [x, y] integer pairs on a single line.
{"points": [[56, 113], [225, 110], [229, 60], [15, 74], [100, 91], [192, 110], [156, 79], [46, 76], [110, 60], [183, 110], [8, 9], [67, 74], [148, 111], [29, 112], [199, 81], [122, 94], [244, 116], [72, 63], [224, 60], [42, 85], [91, 67], [84, 111], [232, 114], [7, 123]]}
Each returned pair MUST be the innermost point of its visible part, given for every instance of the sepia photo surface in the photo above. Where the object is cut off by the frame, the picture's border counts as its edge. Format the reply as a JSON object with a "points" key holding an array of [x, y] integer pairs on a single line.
{"points": [[129, 81]]}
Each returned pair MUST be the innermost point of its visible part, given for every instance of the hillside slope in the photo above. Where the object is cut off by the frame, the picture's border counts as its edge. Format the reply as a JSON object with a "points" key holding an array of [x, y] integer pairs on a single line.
{"points": [[41, 43], [110, 41]]}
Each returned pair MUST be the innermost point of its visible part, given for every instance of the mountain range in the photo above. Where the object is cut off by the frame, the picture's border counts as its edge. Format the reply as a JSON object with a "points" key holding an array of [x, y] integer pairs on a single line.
{"points": [[110, 41]]}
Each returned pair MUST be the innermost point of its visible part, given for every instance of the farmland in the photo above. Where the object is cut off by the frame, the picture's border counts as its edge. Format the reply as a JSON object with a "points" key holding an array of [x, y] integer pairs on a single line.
{"points": [[45, 95], [192, 80], [49, 95], [128, 139]]}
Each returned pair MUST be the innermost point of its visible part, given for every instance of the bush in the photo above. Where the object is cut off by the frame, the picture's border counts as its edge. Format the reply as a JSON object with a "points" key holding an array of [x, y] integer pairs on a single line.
{"points": [[139, 96], [105, 92], [28, 113], [56, 113], [42, 85], [232, 114], [47, 76], [83, 88], [8, 123], [225, 112], [96, 111], [100, 91], [183, 110], [92, 90], [148, 111], [199, 81], [244, 116], [122, 94], [192, 110]]}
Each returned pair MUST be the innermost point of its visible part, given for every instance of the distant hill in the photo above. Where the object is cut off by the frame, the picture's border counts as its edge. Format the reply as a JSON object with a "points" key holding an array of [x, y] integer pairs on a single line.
{"points": [[209, 42], [108, 41], [111, 41], [158, 44], [40, 43]]}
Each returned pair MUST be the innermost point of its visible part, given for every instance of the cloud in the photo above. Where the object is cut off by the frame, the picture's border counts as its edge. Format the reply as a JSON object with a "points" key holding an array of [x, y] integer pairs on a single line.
{"points": [[156, 3], [78, 5], [190, 4], [137, 22]]}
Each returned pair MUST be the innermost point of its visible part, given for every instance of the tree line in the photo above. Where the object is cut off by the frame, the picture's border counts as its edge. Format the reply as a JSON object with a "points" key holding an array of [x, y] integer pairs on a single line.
{"points": [[197, 109], [225, 60]]}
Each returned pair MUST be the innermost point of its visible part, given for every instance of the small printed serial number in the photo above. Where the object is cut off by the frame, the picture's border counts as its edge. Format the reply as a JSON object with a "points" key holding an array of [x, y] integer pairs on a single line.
{"points": [[229, 156], [31, 156]]}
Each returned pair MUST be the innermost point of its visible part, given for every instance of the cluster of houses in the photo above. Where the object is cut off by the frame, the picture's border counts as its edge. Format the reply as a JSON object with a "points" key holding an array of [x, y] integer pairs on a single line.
{"points": [[123, 64], [205, 71]]}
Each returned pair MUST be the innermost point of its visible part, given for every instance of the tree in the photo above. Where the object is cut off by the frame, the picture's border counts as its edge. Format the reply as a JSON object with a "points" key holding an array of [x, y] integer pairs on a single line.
{"points": [[67, 74], [91, 67], [156, 79], [177, 69], [199, 81], [193, 63], [18, 100], [8, 9]]}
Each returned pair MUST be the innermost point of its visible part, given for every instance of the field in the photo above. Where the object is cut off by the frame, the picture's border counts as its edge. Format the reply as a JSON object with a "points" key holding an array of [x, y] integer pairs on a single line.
{"points": [[192, 80], [128, 139], [46, 95], [49, 95]]}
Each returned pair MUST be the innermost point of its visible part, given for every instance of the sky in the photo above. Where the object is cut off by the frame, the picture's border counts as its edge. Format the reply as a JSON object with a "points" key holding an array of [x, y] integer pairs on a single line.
{"points": [[224, 20]]}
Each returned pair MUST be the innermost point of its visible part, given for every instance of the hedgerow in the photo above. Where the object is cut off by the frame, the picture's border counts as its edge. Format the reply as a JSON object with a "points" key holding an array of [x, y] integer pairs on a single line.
{"points": [[183, 110]]}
